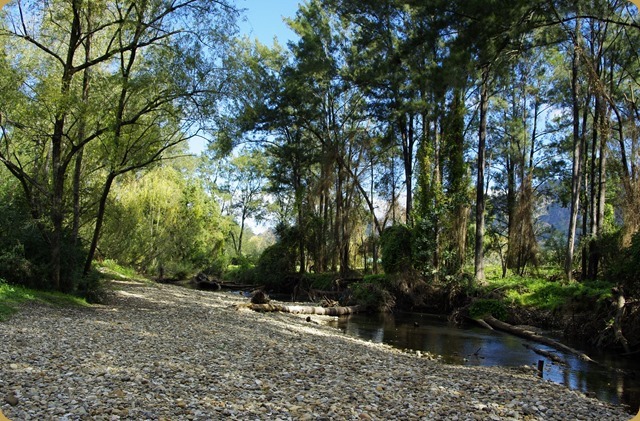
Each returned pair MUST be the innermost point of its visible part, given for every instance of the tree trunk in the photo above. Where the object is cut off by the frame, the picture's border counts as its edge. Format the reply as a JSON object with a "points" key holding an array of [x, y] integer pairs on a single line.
{"points": [[58, 166], [99, 219], [602, 189], [77, 172], [576, 173], [617, 322], [243, 219], [480, 194], [408, 141]]}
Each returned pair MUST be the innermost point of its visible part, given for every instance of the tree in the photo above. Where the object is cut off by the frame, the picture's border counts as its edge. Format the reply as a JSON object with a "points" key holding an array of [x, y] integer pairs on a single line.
{"points": [[161, 218], [244, 185], [150, 82]]}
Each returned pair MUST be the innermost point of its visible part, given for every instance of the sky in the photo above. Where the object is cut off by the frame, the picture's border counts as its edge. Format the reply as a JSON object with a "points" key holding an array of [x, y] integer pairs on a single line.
{"points": [[264, 19]]}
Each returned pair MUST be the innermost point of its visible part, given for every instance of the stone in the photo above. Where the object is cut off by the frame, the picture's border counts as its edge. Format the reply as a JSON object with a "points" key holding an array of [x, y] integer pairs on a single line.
{"points": [[11, 399]]}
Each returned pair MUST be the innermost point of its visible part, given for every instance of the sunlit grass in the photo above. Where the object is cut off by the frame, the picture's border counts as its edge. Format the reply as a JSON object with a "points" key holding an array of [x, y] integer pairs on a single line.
{"points": [[544, 291], [110, 269], [11, 296]]}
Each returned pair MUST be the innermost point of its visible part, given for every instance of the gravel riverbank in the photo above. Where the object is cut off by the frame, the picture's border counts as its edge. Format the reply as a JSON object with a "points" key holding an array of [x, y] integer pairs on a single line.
{"points": [[162, 352]]}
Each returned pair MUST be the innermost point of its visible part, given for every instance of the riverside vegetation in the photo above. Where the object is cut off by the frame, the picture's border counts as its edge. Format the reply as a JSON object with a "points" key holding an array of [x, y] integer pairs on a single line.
{"points": [[397, 152]]}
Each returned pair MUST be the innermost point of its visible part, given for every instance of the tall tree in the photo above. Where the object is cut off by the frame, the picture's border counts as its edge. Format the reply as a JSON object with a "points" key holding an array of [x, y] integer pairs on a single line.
{"points": [[154, 76], [244, 184]]}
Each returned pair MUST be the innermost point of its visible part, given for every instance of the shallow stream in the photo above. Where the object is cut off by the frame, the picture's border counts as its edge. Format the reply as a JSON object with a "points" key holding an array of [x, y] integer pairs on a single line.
{"points": [[474, 345]]}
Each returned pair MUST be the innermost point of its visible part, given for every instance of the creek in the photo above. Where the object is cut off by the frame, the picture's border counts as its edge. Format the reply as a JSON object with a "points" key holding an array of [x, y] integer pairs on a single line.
{"points": [[475, 345]]}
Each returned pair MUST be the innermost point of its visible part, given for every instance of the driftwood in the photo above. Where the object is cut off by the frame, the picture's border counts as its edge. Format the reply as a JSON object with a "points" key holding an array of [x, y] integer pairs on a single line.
{"points": [[326, 311], [483, 324], [550, 355], [527, 334]]}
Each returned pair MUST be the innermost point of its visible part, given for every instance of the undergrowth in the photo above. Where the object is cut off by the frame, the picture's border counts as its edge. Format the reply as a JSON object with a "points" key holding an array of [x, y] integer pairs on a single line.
{"points": [[11, 296], [544, 292]]}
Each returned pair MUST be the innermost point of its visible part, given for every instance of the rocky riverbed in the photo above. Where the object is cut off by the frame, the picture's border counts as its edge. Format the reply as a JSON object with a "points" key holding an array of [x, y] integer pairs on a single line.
{"points": [[161, 352]]}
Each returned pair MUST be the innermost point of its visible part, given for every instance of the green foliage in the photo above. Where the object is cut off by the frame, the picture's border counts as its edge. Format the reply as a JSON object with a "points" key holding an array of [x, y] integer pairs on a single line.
{"points": [[11, 296], [276, 264], [395, 246], [162, 219], [380, 279], [24, 257], [623, 266], [543, 293], [483, 307], [113, 268], [554, 248], [240, 275], [146, 94], [218, 266], [321, 281], [373, 293]]}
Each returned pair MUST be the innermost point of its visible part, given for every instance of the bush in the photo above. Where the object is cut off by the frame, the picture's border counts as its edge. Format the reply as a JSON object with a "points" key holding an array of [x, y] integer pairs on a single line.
{"points": [[241, 275], [624, 266], [395, 247], [483, 307], [276, 263], [217, 267], [322, 281], [373, 294]]}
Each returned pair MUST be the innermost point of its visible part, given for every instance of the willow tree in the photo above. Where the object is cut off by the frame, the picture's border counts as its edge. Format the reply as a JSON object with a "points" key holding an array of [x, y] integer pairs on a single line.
{"points": [[152, 75]]}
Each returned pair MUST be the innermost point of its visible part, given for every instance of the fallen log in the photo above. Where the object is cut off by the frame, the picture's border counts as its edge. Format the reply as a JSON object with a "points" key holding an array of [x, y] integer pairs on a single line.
{"points": [[527, 334], [550, 355], [326, 311], [483, 324]]}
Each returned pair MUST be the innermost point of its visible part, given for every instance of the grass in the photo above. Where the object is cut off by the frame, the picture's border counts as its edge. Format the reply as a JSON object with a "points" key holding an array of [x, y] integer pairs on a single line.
{"points": [[541, 292], [112, 269], [11, 296]]}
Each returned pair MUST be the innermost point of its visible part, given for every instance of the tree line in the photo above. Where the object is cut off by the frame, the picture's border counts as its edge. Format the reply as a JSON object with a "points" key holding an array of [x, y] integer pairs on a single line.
{"points": [[438, 131], [461, 120]]}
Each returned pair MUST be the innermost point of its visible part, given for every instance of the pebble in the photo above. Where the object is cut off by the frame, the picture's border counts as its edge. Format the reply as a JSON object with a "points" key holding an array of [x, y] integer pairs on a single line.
{"points": [[162, 352]]}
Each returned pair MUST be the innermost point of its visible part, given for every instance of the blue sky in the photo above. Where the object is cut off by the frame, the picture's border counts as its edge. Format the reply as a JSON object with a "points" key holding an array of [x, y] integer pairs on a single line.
{"points": [[264, 19]]}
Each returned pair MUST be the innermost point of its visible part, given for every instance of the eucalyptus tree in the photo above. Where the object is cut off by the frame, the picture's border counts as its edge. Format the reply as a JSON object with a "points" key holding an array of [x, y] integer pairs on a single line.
{"points": [[244, 183], [601, 39], [332, 118], [126, 79]]}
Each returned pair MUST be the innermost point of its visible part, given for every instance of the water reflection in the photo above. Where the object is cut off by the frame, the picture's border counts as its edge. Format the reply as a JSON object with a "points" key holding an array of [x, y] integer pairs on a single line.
{"points": [[474, 345]]}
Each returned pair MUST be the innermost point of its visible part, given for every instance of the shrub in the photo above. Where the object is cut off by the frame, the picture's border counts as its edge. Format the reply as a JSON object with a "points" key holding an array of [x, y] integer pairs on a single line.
{"points": [[624, 267], [276, 263], [218, 266], [322, 281], [373, 293], [483, 307], [241, 275], [396, 249]]}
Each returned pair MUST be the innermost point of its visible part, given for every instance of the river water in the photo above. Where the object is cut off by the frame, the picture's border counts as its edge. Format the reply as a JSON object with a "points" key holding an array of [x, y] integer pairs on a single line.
{"points": [[474, 345]]}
